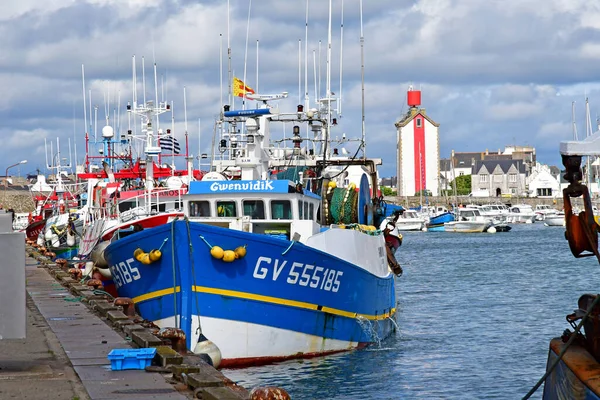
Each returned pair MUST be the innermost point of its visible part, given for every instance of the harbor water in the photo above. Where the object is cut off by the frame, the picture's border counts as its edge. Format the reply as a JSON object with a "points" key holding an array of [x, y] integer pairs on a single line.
{"points": [[476, 313]]}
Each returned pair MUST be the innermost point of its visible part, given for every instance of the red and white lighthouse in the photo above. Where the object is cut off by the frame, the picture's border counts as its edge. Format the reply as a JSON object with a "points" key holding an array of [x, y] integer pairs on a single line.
{"points": [[418, 149]]}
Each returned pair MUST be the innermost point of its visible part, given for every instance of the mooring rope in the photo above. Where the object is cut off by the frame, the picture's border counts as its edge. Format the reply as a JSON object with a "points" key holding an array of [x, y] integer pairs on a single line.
{"points": [[174, 273], [564, 350], [191, 251]]}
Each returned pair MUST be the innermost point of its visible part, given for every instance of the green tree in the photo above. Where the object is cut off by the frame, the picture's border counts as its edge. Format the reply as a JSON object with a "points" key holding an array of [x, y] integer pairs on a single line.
{"points": [[426, 192], [463, 185], [387, 191]]}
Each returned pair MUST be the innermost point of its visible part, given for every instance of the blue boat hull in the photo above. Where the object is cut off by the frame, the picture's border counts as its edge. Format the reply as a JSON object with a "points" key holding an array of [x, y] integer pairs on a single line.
{"points": [[281, 300], [436, 224]]}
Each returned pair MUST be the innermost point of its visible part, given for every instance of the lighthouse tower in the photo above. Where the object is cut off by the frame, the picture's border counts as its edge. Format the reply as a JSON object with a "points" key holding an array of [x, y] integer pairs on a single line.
{"points": [[418, 149]]}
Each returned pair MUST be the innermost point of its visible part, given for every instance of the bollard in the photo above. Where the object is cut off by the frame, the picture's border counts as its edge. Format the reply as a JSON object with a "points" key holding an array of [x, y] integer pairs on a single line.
{"points": [[127, 304], [12, 286], [177, 338], [269, 393]]}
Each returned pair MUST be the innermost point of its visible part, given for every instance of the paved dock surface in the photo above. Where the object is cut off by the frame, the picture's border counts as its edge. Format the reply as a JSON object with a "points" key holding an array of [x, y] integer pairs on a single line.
{"points": [[65, 353]]}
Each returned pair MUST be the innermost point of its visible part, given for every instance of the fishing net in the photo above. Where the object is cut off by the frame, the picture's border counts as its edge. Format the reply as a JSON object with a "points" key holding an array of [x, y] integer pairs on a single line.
{"points": [[343, 206]]}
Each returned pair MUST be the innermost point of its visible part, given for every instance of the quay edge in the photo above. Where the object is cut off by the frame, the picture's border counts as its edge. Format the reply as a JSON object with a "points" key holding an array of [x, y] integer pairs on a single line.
{"points": [[188, 374]]}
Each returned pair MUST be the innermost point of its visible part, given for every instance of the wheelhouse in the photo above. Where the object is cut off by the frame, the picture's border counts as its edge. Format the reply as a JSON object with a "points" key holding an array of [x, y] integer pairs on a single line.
{"points": [[274, 208]]}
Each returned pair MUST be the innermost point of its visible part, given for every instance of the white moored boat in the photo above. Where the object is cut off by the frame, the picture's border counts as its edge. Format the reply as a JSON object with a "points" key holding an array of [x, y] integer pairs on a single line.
{"points": [[468, 220], [409, 220], [555, 220], [543, 211], [521, 213]]}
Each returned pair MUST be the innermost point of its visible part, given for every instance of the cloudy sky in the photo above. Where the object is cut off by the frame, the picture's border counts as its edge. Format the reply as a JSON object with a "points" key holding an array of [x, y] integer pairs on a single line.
{"points": [[493, 73]]}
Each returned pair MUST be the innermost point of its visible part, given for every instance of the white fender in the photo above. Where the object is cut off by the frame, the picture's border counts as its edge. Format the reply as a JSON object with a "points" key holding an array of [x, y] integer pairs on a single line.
{"points": [[89, 268], [97, 255], [205, 346], [55, 240], [70, 238]]}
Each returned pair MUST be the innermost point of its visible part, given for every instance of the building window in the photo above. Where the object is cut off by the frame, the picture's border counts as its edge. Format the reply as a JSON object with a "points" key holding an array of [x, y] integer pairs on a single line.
{"points": [[483, 178], [254, 209], [498, 178], [419, 122], [281, 209], [199, 209], [226, 209], [512, 177], [544, 192], [513, 191], [461, 174]]}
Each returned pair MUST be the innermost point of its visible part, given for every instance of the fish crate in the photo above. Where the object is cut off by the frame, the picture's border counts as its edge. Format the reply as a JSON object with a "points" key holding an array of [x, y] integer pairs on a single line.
{"points": [[121, 359]]}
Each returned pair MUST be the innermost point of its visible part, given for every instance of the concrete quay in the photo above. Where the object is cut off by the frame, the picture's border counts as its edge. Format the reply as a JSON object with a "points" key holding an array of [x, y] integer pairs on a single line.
{"points": [[70, 331]]}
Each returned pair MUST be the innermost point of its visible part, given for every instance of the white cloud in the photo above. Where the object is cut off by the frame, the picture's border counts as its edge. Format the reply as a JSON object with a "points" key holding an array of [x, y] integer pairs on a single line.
{"points": [[492, 73]]}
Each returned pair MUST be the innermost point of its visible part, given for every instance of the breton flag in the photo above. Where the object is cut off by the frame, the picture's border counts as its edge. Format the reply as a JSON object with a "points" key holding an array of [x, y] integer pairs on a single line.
{"points": [[169, 144], [240, 89]]}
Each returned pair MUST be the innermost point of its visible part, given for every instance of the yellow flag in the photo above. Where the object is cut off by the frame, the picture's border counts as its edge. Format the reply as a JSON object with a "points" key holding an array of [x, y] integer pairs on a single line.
{"points": [[240, 89]]}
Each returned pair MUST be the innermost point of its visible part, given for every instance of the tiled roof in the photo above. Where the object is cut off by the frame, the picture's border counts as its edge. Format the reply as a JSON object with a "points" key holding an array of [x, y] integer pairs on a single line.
{"points": [[465, 160], [504, 165], [411, 114]]}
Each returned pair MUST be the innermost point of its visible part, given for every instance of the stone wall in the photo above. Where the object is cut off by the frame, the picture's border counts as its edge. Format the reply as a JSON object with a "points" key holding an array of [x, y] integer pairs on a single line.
{"points": [[18, 200]]}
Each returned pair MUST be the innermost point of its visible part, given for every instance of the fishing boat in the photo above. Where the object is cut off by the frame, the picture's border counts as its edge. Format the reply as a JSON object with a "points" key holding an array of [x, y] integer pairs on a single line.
{"points": [[573, 367], [297, 260], [468, 220]]}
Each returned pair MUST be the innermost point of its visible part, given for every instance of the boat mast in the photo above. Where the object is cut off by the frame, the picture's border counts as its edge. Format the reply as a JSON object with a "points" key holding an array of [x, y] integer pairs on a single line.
{"points": [[84, 115], [362, 80], [246, 53], [229, 77], [339, 110], [328, 88], [306, 102]]}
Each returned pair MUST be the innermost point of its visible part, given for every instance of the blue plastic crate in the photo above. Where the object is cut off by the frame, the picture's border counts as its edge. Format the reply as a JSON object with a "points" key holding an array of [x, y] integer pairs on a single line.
{"points": [[121, 359]]}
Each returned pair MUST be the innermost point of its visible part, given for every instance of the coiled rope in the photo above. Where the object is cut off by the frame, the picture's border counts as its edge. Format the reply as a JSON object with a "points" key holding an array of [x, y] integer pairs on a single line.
{"points": [[564, 350]]}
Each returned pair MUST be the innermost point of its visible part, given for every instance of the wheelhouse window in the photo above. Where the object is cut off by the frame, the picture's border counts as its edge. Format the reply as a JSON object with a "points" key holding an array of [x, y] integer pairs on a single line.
{"points": [[300, 210], [226, 209], [126, 205], [255, 209], [199, 209], [306, 215], [311, 211], [281, 209]]}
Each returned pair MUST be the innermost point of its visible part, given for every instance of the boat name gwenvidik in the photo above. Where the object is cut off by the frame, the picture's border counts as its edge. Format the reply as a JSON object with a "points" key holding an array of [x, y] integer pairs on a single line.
{"points": [[124, 272], [302, 274], [255, 185]]}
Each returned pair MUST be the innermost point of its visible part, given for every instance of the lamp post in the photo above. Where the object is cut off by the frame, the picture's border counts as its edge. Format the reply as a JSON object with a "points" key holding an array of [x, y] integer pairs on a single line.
{"points": [[9, 167]]}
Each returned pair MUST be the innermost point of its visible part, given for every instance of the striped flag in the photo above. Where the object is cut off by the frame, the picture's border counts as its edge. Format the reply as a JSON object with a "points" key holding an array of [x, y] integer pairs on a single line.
{"points": [[170, 145], [240, 89]]}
